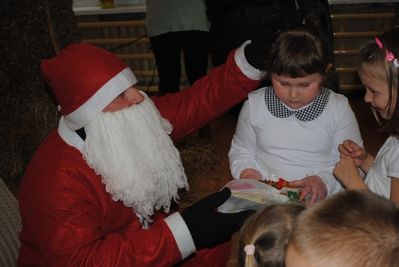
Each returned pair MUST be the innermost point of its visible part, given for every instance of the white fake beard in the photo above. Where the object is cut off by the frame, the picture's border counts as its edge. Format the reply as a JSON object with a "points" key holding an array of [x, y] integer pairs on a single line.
{"points": [[138, 162]]}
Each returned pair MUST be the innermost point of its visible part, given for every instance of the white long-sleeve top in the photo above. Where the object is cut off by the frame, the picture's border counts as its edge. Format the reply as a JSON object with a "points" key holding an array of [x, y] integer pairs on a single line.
{"points": [[273, 141], [385, 168]]}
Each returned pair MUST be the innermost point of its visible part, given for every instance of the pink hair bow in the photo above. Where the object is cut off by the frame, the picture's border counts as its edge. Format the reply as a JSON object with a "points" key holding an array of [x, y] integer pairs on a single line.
{"points": [[389, 56]]}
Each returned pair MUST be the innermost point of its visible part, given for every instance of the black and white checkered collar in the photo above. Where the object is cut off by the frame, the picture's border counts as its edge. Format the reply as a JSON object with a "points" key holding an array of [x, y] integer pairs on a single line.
{"points": [[309, 113]]}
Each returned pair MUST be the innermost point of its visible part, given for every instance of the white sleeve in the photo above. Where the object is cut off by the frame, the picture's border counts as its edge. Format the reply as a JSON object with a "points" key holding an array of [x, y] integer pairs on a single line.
{"points": [[346, 128], [242, 154], [393, 161]]}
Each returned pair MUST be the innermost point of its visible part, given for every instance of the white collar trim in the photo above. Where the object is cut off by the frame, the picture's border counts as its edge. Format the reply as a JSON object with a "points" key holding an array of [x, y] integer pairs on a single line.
{"points": [[69, 136]]}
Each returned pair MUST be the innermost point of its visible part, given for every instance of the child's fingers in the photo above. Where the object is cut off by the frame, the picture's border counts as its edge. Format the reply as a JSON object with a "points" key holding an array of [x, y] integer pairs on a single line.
{"points": [[345, 150], [312, 200], [296, 183], [358, 154], [304, 192], [250, 174], [354, 146], [350, 148], [348, 144]]}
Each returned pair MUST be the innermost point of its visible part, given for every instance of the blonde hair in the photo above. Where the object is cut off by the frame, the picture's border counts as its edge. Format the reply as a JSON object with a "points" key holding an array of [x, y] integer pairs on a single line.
{"points": [[350, 229], [268, 231], [374, 54]]}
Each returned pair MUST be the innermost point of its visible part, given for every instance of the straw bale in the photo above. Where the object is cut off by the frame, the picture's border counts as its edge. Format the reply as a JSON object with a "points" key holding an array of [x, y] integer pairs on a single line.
{"points": [[27, 108]]}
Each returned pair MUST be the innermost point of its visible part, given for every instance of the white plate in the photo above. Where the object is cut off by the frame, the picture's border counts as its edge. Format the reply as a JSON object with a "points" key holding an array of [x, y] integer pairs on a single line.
{"points": [[250, 194]]}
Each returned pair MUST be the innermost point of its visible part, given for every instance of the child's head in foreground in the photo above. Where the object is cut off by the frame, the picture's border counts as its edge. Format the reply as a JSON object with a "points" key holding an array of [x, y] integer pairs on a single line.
{"points": [[297, 65], [354, 228], [263, 239], [379, 71]]}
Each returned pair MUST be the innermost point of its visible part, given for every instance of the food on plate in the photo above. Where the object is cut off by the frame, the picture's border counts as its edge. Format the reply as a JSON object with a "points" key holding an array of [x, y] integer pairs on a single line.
{"points": [[254, 194], [280, 183], [284, 187]]}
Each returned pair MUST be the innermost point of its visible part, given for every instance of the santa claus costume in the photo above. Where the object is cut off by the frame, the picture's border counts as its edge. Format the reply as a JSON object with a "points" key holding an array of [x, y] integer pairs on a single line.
{"points": [[69, 216]]}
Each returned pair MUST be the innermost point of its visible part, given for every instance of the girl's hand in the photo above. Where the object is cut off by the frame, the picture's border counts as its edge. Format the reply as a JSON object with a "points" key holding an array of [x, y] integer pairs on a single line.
{"points": [[346, 172], [250, 174], [312, 186], [350, 149]]}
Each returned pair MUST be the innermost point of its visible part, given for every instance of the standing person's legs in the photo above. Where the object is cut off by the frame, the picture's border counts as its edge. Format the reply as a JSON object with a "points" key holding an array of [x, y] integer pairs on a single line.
{"points": [[196, 52], [166, 48], [318, 13]]}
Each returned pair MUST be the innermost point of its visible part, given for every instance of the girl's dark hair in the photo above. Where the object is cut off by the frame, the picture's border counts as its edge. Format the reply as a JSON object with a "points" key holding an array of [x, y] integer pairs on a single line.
{"points": [[298, 53], [371, 53]]}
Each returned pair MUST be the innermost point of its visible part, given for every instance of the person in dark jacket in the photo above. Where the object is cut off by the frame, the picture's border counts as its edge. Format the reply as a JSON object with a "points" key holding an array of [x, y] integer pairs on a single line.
{"points": [[234, 21]]}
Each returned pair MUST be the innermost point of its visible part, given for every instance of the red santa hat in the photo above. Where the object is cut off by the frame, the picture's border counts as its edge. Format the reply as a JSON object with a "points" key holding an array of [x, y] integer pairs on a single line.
{"points": [[85, 79]]}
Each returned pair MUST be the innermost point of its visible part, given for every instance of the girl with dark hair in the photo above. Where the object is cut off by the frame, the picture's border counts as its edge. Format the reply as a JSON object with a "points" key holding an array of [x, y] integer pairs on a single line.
{"points": [[379, 73], [292, 129]]}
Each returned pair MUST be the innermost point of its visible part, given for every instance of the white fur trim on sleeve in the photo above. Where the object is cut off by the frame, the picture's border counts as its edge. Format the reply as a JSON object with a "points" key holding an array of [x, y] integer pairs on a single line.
{"points": [[245, 67], [181, 234]]}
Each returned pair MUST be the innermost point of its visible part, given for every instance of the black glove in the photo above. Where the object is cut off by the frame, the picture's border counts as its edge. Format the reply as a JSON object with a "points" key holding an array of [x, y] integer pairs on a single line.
{"points": [[208, 227], [258, 50]]}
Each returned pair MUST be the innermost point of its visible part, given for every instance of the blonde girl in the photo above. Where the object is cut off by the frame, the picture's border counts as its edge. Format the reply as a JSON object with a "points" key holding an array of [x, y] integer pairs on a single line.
{"points": [[350, 229], [378, 72], [263, 239]]}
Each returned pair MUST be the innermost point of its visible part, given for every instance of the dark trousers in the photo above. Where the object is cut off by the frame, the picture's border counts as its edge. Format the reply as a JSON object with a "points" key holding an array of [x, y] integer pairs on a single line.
{"points": [[167, 49]]}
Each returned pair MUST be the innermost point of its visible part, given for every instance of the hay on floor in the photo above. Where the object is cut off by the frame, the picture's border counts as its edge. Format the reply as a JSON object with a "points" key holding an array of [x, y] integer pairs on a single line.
{"points": [[205, 168]]}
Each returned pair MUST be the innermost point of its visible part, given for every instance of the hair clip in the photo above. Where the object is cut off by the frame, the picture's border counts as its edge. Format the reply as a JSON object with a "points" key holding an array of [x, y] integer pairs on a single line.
{"points": [[249, 250], [389, 56], [378, 42]]}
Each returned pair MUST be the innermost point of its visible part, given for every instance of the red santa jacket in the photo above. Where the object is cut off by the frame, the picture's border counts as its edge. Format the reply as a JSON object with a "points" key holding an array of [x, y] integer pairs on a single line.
{"points": [[68, 217]]}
